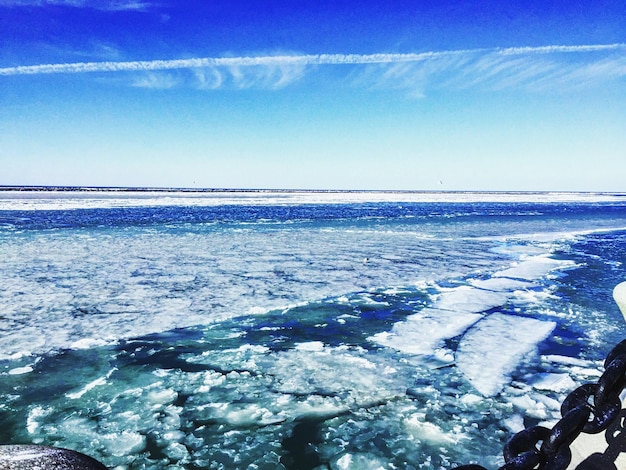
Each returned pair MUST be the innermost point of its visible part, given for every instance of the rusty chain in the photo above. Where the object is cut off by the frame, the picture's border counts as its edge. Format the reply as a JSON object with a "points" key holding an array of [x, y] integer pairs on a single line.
{"points": [[591, 409]]}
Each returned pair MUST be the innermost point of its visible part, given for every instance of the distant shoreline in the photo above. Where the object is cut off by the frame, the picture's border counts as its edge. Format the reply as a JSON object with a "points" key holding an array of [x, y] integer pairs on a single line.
{"points": [[146, 189]]}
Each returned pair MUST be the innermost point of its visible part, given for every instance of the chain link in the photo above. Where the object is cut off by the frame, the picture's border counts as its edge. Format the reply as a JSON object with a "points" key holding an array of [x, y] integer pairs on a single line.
{"points": [[591, 409]]}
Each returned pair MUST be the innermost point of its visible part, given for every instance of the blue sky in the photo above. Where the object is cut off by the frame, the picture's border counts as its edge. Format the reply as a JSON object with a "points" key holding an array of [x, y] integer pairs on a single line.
{"points": [[416, 95]]}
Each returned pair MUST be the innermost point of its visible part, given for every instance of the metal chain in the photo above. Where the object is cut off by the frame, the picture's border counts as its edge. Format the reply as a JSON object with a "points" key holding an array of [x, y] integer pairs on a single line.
{"points": [[591, 409]]}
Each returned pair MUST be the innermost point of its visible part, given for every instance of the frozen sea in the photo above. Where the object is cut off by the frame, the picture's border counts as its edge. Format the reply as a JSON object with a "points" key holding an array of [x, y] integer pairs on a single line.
{"points": [[300, 330]]}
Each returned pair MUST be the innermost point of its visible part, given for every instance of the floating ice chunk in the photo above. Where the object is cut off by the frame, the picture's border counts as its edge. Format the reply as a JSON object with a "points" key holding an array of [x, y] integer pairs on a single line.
{"points": [[359, 462], [124, 443], [587, 373], [315, 346], [258, 310], [248, 415], [91, 385], [333, 376], [470, 399], [173, 435], [418, 427], [514, 423], [444, 355], [162, 397], [344, 462], [552, 404], [470, 299], [237, 414], [534, 267], [566, 360], [177, 452], [500, 284], [86, 343], [424, 332], [366, 299], [20, 370], [533, 297], [316, 407], [360, 362], [34, 415], [250, 348], [530, 406], [492, 349], [553, 382]]}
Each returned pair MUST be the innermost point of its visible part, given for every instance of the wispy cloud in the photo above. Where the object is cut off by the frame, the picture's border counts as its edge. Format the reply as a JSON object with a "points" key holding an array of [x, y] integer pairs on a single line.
{"points": [[106, 5], [500, 68], [156, 81], [233, 62]]}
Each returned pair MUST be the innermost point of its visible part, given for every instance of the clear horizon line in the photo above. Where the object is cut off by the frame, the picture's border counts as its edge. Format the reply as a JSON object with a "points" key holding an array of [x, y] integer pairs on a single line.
{"points": [[89, 188], [282, 60]]}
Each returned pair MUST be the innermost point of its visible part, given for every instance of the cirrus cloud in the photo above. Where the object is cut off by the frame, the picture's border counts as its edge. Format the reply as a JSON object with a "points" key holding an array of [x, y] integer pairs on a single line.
{"points": [[105, 5], [499, 68]]}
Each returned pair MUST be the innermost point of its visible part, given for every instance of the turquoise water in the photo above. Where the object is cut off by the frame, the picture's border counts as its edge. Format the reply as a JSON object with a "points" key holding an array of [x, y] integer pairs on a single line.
{"points": [[299, 331]]}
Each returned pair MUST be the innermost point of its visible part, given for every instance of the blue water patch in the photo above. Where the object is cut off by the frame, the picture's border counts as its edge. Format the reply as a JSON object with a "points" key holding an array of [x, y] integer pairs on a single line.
{"points": [[330, 322], [402, 213]]}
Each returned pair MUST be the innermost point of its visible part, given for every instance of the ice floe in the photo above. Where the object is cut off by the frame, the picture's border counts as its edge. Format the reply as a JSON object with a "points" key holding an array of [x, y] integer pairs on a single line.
{"points": [[501, 284], [534, 267], [469, 299], [490, 345], [489, 352], [425, 332], [20, 370], [148, 355], [554, 382]]}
